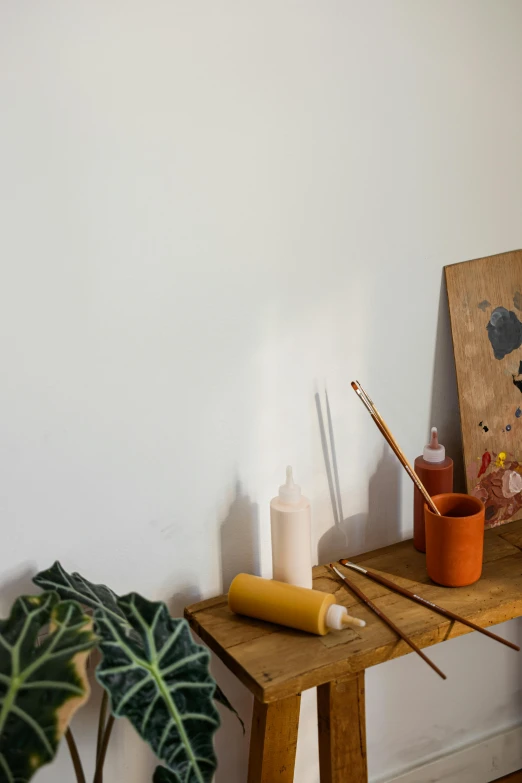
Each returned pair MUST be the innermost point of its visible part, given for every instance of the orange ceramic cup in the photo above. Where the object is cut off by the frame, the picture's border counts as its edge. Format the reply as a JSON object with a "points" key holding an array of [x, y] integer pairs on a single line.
{"points": [[455, 540]]}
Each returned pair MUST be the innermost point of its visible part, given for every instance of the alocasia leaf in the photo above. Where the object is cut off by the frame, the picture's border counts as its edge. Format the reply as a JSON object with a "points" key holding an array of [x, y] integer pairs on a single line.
{"points": [[220, 697], [162, 684], [163, 775], [75, 587], [41, 686], [100, 597]]}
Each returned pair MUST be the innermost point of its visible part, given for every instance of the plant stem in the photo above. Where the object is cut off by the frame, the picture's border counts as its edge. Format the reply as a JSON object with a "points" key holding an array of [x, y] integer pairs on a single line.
{"points": [[98, 775], [101, 723], [75, 756]]}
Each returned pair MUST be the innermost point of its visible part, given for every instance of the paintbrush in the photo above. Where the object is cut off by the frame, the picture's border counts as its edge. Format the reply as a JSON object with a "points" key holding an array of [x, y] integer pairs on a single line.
{"points": [[364, 598], [424, 602], [381, 424]]}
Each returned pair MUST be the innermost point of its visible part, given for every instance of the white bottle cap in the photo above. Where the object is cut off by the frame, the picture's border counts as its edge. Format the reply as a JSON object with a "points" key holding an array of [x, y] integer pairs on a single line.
{"points": [[434, 451], [335, 618], [290, 492]]}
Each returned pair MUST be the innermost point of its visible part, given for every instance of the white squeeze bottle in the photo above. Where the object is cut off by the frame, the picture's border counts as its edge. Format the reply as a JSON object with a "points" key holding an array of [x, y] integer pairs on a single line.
{"points": [[291, 535]]}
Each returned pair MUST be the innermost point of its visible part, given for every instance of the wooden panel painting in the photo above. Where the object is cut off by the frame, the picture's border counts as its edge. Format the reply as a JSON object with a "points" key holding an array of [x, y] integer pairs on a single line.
{"points": [[485, 302]]}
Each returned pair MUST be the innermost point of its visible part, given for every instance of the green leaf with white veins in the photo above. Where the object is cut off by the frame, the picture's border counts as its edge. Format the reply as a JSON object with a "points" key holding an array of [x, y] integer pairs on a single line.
{"points": [[101, 597], [159, 679], [41, 686], [74, 586], [163, 775]]}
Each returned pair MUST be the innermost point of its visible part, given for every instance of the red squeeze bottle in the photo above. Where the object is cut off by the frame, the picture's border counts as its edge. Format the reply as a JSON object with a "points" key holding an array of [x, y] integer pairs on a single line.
{"points": [[435, 470]]}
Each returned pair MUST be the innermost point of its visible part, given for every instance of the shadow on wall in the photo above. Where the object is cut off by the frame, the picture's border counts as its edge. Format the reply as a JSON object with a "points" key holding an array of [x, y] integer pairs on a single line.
{"points": [[240, 538], [18, 581], [518, 640], [444, 413], [381, 525], [365, 531], [230, 743], [239, 553], [183, 597]]}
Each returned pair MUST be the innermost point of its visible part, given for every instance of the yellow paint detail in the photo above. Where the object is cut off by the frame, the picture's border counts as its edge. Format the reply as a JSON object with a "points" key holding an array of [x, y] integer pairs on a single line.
{"points": [[501, 459], [79, 662]]}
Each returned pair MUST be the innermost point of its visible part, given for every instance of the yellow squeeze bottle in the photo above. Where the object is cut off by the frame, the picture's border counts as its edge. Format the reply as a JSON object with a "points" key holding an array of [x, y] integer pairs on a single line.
{"points": [[297, 607]]}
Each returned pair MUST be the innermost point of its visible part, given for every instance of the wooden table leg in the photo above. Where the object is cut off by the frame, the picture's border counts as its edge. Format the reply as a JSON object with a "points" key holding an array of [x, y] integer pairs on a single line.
{"points": [[273, 741], [342, 730]]}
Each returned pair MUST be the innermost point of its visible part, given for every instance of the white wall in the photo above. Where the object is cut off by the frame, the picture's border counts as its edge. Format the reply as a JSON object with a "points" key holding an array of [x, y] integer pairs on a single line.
{"points": [[210, 211]]}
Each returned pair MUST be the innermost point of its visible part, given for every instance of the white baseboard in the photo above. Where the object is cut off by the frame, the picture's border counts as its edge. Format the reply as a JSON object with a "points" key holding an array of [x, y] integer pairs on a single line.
{"points": [[483, 762]]}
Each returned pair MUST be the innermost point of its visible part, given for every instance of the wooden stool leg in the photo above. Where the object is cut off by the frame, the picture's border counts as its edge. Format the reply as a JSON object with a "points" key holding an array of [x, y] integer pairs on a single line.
{"points": [[273, 741], [342, 730]]}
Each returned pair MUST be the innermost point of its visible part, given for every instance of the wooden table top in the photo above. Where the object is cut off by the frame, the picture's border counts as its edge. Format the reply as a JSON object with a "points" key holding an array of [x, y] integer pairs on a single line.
{"points": [[275, 662]]}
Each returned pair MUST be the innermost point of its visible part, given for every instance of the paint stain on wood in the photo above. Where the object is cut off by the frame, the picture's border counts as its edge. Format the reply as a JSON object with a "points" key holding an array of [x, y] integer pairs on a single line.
{"points": [[486, 459], [517, 381], [501, 490], [504, 332], [489, 387]]}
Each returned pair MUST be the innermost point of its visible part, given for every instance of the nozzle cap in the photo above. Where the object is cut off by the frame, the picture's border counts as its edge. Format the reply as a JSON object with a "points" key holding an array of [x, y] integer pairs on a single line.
{"points": [[434, 451]]}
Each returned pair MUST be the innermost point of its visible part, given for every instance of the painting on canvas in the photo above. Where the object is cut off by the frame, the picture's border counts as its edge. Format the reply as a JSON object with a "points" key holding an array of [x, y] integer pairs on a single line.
{"points": [[485, 302]]}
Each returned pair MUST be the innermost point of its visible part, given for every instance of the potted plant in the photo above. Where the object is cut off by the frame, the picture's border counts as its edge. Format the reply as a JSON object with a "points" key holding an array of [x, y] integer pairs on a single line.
{"points": [[151, 670]]}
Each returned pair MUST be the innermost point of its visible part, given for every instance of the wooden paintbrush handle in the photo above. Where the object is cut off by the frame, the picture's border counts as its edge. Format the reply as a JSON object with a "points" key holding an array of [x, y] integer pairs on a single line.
{"points": [[430, 605], [364, 598], [385, 432], [404, 462]]}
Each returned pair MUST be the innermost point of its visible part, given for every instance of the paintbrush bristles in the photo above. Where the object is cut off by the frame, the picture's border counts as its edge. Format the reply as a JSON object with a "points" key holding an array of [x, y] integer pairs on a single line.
{"points": [[383, 427], [359, 393], [365, 396]]}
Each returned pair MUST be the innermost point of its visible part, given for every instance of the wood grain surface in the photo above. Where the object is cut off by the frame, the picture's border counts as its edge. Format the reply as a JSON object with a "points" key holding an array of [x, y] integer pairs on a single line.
{"points": [[342, 730], [485, 303], [276, 662], [273, 741]]}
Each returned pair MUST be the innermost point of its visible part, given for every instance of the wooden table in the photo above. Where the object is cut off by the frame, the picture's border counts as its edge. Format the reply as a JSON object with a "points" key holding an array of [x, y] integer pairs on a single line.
{"points": [[277, 664]]}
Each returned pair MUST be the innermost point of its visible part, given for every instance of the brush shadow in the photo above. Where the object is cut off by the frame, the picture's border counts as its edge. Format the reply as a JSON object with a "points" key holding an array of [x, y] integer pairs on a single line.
{"points": [[362, 532], [444, 410], [326, 457], [384, 502], [239, 538]]}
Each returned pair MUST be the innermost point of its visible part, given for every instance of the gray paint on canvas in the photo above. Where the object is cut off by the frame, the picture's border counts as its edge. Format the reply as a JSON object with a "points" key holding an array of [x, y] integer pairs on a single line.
{"points": [[504, 332]]}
